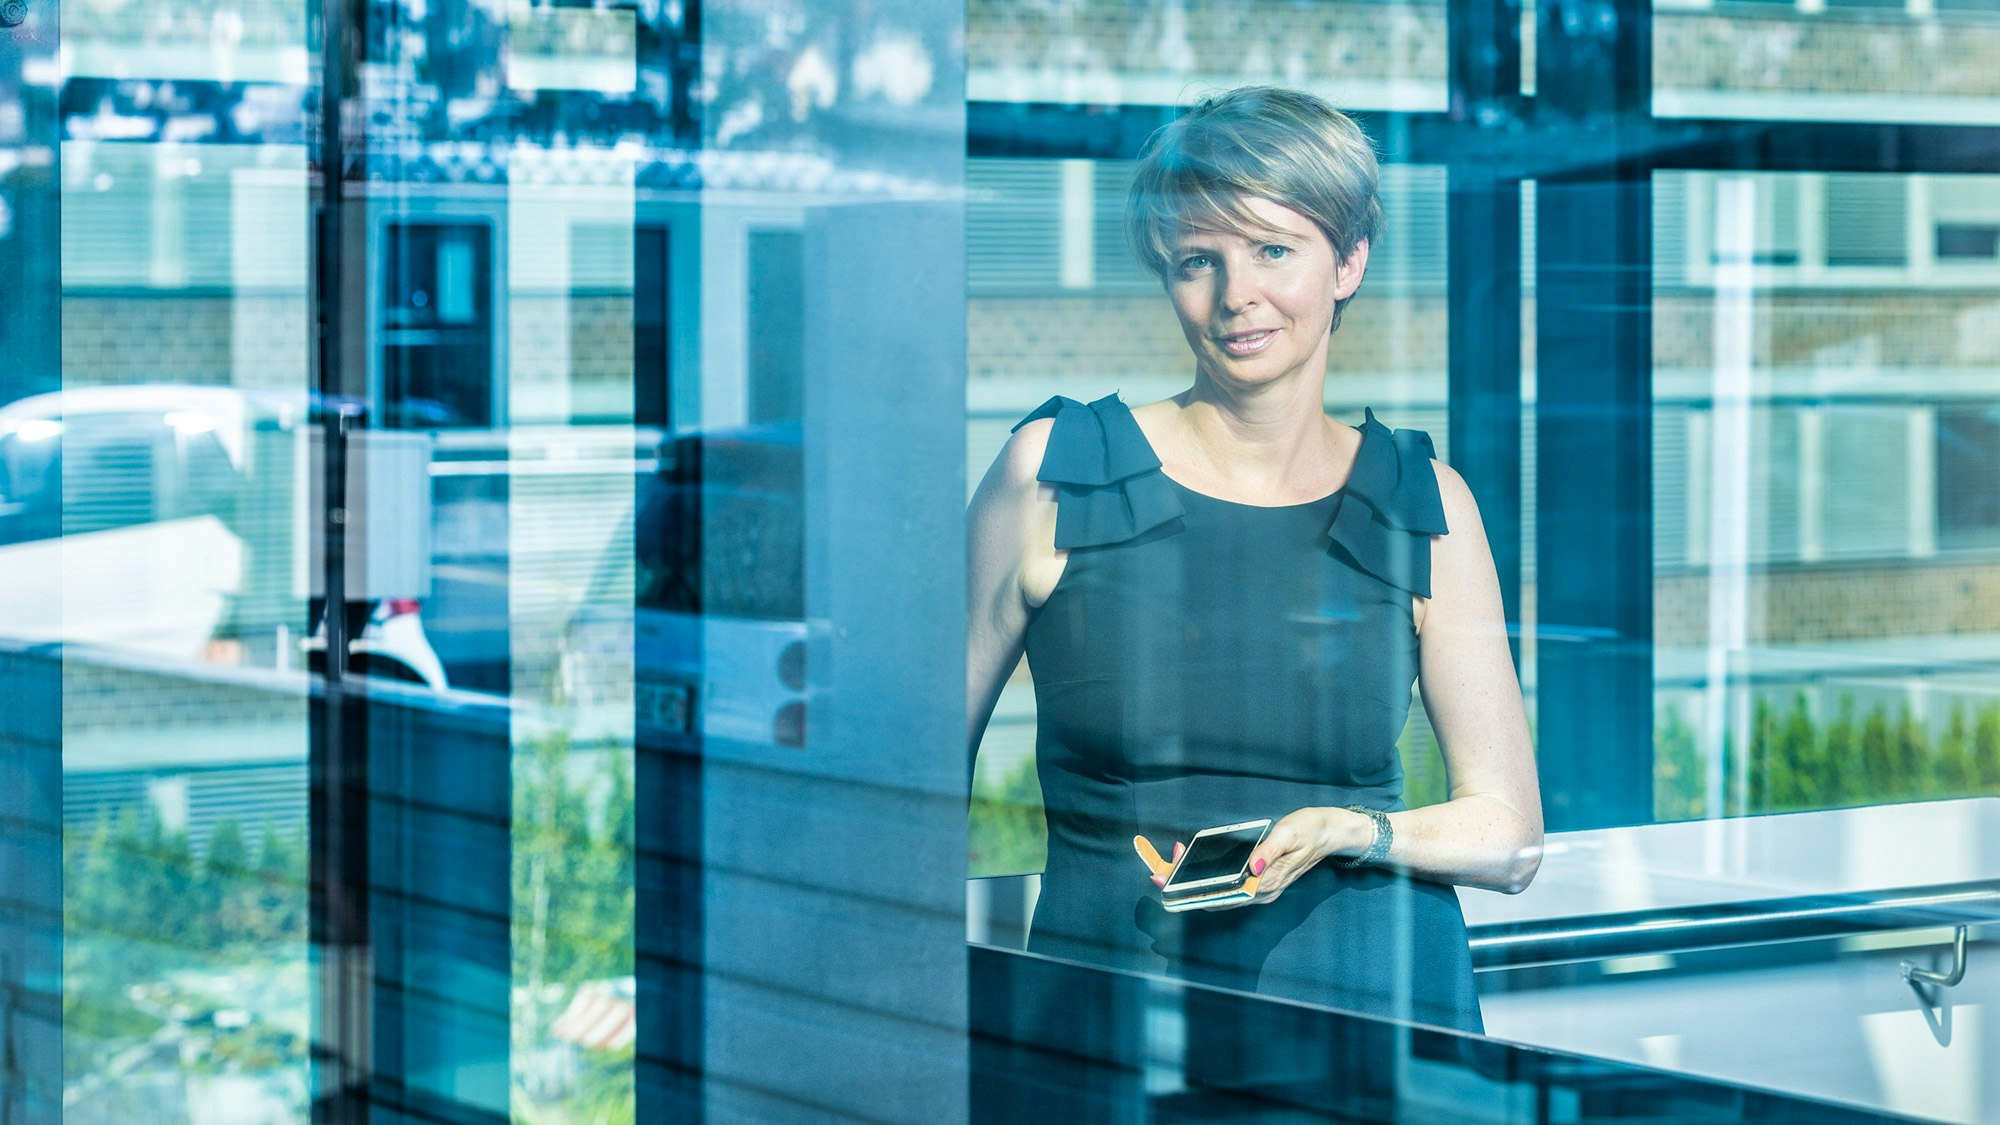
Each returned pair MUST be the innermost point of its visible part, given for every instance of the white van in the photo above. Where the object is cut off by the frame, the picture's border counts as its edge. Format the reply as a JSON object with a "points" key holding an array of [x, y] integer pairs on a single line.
{"points": [[171, 519]]}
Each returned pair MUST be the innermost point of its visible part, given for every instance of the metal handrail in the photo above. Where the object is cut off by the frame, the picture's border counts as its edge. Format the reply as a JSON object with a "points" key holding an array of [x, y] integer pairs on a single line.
{"points": [[1726, 925]]}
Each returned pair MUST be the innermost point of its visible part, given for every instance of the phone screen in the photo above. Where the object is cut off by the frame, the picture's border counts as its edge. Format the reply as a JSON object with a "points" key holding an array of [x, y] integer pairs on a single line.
{"points": [[1220, 856]]}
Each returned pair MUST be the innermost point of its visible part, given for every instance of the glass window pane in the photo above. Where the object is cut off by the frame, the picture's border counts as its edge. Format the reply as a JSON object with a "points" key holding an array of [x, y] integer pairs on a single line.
{"points": [[1823, 466], [649, 326], [164, 487]]}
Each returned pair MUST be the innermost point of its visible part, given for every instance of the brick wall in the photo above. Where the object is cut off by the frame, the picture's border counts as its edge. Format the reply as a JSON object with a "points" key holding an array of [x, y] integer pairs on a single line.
{"points": [[260, 340], [1801, 605], [1293, 42], [1137, 335], [1247, 40], [116, 339], [1888, 54], [600, 338], [1914, 328]]}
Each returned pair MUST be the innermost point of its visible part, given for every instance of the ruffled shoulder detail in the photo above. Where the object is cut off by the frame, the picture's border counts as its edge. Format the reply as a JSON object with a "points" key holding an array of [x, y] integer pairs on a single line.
{"points": [[1391, 507], [1109, 487]]}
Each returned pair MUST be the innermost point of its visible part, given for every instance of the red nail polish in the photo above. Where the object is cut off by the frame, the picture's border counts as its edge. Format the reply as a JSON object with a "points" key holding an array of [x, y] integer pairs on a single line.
{"points": [[1257, 868]]}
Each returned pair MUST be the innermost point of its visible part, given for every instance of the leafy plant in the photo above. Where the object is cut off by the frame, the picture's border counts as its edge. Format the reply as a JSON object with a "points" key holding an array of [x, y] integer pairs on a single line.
{"points": [[573, 899], [1005, 830]]}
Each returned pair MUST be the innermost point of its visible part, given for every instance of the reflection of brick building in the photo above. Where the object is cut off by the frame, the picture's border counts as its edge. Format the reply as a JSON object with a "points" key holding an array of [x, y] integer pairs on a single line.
{"points": [[188, 748], [1378, 55], [1914, 60], [1935, 56]]}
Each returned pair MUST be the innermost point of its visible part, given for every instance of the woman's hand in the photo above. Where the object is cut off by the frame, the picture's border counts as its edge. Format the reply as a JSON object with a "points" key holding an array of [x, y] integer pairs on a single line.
{"points": [[1295, 844]]}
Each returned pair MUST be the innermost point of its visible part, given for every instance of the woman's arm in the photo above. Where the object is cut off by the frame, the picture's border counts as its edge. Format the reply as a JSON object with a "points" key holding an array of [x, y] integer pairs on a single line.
{"points": [[1010, 541], [1489, 834]]}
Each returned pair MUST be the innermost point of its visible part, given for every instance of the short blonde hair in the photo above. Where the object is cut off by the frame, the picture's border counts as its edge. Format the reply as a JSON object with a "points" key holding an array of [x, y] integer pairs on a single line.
{"points": [[1268, 142]]}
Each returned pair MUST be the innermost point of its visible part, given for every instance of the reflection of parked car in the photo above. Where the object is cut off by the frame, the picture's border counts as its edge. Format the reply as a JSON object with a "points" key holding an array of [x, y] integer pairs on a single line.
{"points": [[104, 458], [176, 515], [718, 629]]}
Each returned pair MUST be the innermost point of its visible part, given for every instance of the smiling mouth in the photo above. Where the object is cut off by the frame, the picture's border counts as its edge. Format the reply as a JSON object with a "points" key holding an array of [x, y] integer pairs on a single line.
{"points": [[1247, 343]]}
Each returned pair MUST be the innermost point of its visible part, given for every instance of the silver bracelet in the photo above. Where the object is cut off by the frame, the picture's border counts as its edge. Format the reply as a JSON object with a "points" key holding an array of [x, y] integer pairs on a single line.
{"points": [[1378, 850]]}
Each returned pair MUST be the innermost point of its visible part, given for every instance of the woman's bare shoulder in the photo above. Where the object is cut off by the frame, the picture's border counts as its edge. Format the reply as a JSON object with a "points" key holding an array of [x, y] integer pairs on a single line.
{"points": [[1461, 510], [1013, 515], [1015, 470], [1153, 414], [1156, 421], [1011, 494]]}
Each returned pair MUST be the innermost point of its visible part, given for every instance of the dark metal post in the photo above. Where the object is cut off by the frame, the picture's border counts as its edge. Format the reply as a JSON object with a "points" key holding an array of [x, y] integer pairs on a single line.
{"points": [[1485, 365], [1484, 281], [669, 924], [1593, 551], [337, 758]]}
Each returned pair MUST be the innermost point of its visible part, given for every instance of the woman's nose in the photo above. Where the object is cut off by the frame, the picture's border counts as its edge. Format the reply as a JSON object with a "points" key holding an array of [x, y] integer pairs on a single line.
{"points": [[1238, 291]]}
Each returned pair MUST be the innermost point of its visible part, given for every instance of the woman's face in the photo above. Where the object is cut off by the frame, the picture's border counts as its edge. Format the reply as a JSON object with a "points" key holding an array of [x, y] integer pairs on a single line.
{"points": [[1259, 309]]}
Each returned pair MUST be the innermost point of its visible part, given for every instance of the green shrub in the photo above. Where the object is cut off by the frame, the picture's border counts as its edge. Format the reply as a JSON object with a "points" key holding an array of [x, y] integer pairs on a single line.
{"points": [[1795, 764]]}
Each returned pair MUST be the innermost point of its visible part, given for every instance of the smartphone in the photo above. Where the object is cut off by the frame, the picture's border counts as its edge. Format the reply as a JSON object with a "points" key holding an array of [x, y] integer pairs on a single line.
{"points": [[1216, 861]]}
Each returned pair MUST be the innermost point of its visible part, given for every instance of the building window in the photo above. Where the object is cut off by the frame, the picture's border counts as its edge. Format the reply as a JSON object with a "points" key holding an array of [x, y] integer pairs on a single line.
{"points": [[1968, 462], [1866, 220], [1978, 242]]}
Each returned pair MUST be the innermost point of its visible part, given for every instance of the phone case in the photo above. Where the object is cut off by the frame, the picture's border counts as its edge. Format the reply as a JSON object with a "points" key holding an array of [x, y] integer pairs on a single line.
{"points": [[1159, 866], [1243, 893]]}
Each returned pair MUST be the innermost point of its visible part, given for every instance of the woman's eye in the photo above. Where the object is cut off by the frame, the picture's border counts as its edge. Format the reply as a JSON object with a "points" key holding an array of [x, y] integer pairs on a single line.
{"points": [[1194, 262], [1276, 251]]}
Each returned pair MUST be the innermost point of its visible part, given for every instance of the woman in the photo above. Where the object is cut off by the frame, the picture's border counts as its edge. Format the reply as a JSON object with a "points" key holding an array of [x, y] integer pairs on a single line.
{"points": [[1225, 597]]}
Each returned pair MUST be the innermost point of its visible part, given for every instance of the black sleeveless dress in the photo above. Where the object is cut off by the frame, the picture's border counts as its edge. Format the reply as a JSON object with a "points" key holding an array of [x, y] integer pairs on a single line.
{"points": [[1202, 662]]}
